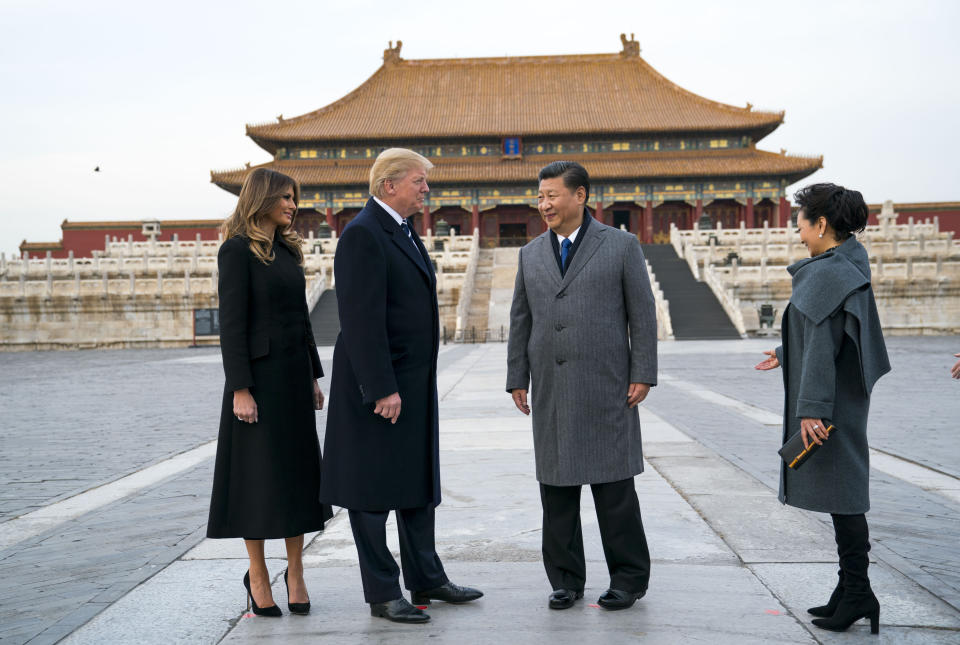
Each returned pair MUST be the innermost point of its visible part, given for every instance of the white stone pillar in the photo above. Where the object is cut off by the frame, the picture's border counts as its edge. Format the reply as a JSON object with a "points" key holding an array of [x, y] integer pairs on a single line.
{"points": [[70, 260], [909, 268], [159, 293], [763, 268], [186, 282]]}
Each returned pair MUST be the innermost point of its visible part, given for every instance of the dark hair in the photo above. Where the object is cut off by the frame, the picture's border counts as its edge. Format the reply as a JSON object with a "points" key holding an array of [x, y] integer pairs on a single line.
{"points": [[574, 175], [844, 209]]}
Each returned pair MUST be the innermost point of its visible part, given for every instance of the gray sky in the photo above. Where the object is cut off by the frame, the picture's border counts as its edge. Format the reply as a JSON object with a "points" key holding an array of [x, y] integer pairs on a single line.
{"points": [[157, 94]]}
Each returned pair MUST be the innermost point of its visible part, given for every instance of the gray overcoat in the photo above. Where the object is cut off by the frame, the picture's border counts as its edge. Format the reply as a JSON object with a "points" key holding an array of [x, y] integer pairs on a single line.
{"points": [[583, 338], [832, 354]]}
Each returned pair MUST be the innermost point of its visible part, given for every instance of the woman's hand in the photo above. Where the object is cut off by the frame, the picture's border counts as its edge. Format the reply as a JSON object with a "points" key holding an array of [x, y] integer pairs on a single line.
{"points": [[772, 362], [244, 407], [812, 431], [317, 396]]}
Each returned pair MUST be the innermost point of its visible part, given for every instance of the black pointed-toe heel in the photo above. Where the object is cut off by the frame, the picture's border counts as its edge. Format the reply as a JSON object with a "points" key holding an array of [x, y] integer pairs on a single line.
{"points": [[851, 610], [829, 609], [273, 611], [295, 607]]}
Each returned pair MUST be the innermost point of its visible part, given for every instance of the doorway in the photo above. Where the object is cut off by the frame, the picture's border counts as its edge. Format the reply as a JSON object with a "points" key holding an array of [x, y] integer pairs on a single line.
{"points": [[513, 234], [621, 218]]}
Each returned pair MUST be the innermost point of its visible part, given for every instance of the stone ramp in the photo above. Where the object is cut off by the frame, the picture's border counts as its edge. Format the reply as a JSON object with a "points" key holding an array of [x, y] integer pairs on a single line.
{"points": [[505, 262]]}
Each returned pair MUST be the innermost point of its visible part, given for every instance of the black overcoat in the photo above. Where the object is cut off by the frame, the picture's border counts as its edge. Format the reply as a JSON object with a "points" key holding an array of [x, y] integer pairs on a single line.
{"points": [[266, 481], [388, 342]]}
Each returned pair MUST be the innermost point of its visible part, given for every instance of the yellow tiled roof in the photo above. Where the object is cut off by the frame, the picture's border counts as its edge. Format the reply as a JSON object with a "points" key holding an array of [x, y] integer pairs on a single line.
{"points": [[407, 100], [745, 162]]}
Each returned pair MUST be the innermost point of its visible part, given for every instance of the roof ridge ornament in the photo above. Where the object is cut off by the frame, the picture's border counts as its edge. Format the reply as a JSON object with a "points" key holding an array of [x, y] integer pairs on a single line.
{"points": [[391, 54], [631, 48]]}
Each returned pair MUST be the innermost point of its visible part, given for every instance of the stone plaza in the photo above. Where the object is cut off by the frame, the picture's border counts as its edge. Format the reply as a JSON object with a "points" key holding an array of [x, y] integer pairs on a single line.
{"points": [[107, 467]]}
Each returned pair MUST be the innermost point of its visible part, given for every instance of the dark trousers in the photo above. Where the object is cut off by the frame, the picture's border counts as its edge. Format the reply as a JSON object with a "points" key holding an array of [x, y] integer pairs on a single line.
{"points": [[422, 569], [853, 545], [621, 530]]}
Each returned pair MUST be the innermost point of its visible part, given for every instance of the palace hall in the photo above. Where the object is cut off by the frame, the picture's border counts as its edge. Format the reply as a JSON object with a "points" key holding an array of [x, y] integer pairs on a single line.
{"points": [[657, 154]]}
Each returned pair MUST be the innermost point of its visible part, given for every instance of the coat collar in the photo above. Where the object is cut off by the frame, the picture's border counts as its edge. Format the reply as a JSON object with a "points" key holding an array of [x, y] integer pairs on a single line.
{"points": [[396, 234], [593, 235]]}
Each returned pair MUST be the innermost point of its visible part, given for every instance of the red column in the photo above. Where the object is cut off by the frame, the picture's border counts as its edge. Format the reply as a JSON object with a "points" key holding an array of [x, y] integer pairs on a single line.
{"points": [[784, 212], [598, 214], [427, 221], [697, 213], [475, 219], [751, 222], [330, 221], [648, 222]]}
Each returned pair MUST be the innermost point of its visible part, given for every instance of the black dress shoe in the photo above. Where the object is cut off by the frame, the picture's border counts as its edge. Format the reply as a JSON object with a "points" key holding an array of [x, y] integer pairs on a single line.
{"points": [[399, 611], [616, 599], [448, 592], [564, 598]]}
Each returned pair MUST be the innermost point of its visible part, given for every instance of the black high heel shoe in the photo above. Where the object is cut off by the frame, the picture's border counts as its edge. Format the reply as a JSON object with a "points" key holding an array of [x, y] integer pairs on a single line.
{"points": [[301, 608], [829, 609], [273, 611], [849, 611]]}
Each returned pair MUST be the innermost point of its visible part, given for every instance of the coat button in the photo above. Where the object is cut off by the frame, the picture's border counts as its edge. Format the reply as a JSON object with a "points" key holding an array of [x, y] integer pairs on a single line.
{"points": [[561, 361], [561, 295], [558, 327]]}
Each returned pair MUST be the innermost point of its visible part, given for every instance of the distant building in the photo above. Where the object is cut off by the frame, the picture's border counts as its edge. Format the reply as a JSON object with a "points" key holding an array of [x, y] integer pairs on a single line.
{"points": [[657, 154], [83, 238]]}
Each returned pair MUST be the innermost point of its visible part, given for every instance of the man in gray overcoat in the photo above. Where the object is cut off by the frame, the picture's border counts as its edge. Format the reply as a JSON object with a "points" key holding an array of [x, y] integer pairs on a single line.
{"points": [[583, 328]]}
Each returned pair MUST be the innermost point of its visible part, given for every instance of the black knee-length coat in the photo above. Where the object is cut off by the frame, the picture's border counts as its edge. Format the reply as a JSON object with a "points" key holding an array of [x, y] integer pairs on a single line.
{"points": [[266, 481], [388, 342]]}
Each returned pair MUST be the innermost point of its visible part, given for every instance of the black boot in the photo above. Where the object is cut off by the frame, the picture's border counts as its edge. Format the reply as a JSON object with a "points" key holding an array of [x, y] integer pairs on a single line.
{"points": [[857, 600], [824, 611]]}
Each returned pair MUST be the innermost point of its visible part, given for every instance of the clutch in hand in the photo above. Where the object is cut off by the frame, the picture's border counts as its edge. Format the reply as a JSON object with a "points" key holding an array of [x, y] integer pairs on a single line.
{"points": [[794, 454]]}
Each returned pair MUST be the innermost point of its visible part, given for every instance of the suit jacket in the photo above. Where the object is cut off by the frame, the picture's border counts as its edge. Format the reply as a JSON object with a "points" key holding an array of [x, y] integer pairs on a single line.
{"points": [[389, 339], [583, 338]]}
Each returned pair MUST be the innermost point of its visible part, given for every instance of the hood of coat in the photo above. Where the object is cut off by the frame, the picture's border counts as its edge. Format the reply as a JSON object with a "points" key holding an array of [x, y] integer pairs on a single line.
{"points": [[822, 283]]}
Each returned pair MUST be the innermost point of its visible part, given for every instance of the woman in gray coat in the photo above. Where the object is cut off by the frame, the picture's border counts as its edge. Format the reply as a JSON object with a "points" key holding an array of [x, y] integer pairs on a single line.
{"points": [[832, 354]]}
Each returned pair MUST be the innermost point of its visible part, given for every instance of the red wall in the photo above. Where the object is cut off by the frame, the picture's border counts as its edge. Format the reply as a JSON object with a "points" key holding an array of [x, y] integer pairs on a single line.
{"points": [[83, 241], [949, 214]]}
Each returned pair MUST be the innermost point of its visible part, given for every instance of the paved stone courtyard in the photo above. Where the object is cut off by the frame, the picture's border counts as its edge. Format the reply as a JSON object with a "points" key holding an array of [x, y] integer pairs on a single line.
{"points": [[106, 475]]}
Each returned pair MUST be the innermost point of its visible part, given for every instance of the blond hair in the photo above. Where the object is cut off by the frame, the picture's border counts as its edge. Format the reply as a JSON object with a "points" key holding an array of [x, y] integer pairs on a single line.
{"points": [[394, 164], [260, 193]]}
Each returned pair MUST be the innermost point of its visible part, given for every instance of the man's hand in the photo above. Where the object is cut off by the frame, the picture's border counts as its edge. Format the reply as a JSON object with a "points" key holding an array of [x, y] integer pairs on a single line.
{"points": [[244, 407], [955, 370], [637, 393], [812, 431], [772, 362], [317, 396], [520, 400], [388, 407]]}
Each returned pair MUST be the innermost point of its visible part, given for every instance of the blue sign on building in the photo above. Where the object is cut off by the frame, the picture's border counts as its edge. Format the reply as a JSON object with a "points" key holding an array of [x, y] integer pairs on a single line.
{"points": [[511, 147]]}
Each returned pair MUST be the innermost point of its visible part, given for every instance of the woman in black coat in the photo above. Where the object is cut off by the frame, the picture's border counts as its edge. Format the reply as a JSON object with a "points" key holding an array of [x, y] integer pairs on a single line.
{"points": [[832, 355], [266, 483]]}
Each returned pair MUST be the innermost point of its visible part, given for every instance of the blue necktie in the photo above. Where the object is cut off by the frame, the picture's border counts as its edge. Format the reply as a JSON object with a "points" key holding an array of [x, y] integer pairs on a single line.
{"points": [[406, 230], [564, 252]]}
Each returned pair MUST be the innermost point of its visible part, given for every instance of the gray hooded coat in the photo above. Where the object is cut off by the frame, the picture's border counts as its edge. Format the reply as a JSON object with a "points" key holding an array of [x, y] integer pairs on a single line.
{"points": [[832, 355]]}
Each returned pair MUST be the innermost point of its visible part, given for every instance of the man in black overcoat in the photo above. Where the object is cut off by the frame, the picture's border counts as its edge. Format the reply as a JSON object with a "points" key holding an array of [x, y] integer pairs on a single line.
{"points": [[381, 450]]}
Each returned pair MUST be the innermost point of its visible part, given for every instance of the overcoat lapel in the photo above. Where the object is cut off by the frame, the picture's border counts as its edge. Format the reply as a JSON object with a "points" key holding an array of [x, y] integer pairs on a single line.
{"points": [[423, 254], [403, 243], [588, 247], [548, 260]]}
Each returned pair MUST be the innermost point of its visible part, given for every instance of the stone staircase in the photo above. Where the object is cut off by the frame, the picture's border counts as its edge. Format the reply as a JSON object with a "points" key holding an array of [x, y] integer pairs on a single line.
{"points": [[325, 319], [695, 312]]}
